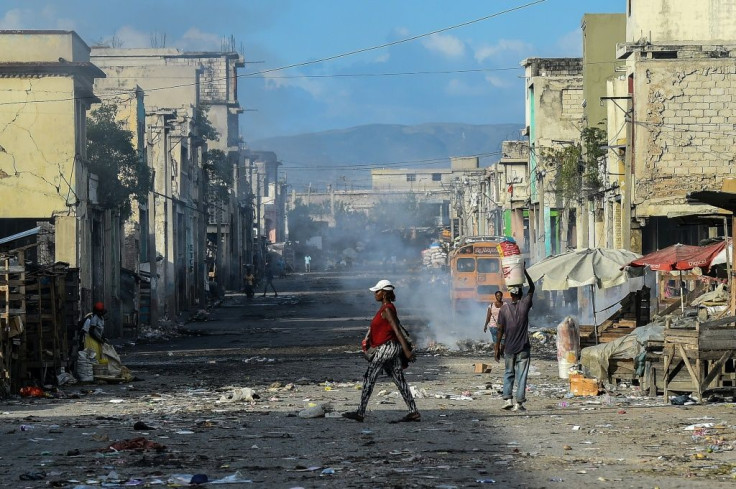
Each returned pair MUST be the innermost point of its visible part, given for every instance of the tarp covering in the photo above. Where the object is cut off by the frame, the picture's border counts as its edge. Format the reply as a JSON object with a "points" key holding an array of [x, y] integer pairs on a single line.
{"points": [[591, 266], [726, 254], [680, 257], [595, 359]]}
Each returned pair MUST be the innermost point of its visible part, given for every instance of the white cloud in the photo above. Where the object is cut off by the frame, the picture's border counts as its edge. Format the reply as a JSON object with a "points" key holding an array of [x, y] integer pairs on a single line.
{"points": [[46, 18], [449, 46], [313, 87], [12, 20], [196, 40], [503, 46], [402, 32], [571, 44], [132, 38], [382, 58], [498, 82], [461, 88]]}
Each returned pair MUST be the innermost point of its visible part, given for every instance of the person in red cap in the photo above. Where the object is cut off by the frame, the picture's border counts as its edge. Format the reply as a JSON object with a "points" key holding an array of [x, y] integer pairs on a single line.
{"points": [[93, 330]]}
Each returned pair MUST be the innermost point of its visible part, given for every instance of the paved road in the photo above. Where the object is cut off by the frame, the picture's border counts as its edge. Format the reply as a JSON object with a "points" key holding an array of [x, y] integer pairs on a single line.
{"points": [[300, 349]]}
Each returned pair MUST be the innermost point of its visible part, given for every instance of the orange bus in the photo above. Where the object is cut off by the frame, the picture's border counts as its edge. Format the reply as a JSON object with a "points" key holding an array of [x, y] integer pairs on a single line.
{"points": [[475, 270]]}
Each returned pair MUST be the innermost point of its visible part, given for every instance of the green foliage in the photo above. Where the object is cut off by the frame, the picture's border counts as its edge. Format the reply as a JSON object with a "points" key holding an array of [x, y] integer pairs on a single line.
{"points": [[578, 166], [217, 166], [203, 126], [593, 139], [122, 172], [412, 214], [301, 224], [219, 172]]}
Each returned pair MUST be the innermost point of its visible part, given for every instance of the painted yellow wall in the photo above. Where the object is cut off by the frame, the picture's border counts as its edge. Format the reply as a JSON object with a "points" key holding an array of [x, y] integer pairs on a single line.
{"points": [[42, 47], [37, 134]]}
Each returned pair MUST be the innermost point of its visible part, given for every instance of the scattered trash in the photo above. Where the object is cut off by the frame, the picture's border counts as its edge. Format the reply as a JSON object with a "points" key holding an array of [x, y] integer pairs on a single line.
{"points": [[314, 411], [32, 392], [240, 394], [199, 479], [328, 471], [33, 476], [134, 444], [485, 481], [682, 400], [141, 426]]}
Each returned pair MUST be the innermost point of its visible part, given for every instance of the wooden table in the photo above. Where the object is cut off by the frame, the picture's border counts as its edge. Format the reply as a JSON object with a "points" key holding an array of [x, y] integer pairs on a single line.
{"points": [[704, 350]]}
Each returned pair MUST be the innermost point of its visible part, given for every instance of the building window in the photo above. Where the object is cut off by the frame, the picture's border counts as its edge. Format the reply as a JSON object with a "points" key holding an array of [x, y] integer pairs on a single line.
{"points": [[436, 177], [411, 177]]}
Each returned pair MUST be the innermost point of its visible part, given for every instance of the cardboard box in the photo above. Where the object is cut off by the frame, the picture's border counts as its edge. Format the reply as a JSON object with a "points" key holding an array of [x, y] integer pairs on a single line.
{"points": [[482, 368], [580, 386]]}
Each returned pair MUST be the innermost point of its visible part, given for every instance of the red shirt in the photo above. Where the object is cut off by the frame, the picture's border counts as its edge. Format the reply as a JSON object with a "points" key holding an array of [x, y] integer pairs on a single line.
{"points": [[381, 330]]}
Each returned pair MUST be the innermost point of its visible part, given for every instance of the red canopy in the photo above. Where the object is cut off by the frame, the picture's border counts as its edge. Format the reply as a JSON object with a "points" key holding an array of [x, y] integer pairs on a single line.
{"points": [[680, 257]]}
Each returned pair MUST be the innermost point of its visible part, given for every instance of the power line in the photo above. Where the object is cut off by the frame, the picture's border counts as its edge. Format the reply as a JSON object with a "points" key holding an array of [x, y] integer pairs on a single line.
{"points": [[327, 58], [400, 41]]}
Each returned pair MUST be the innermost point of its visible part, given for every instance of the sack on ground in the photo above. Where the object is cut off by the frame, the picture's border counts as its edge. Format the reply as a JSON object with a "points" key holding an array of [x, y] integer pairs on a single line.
{"points": [[86, 359], [114, 365]]}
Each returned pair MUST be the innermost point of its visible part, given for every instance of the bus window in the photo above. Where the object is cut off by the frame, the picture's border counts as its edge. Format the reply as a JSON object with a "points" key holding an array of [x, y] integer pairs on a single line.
{"points": [[465, 265], [488, 289], [487, 265]]}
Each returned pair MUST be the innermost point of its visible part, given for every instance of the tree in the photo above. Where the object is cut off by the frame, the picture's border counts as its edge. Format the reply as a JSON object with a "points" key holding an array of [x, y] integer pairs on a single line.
{"points": [[219, 173], [578, 166], [121, 169], [301, 224]]}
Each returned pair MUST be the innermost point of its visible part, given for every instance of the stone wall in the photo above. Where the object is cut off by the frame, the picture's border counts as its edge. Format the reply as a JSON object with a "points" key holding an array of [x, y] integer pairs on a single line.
{"points": [[685, 115]]}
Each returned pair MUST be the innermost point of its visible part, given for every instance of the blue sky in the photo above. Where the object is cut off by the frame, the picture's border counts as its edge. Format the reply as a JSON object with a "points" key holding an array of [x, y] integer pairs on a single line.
{"points": [[365, 88]]}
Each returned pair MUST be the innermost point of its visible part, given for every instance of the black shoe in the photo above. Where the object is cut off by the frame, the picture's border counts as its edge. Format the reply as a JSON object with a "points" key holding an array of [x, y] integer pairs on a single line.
{"points": [[354, 416], [411, 417]]}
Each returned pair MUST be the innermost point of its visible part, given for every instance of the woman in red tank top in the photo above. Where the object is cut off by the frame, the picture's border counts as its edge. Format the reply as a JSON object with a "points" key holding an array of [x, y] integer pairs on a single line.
{"points": [[387, 338]]}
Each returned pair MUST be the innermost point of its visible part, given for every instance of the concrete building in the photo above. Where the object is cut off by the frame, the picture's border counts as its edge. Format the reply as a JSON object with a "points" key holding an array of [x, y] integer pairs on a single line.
{"points": [[554, 117], [126, 245], [411, 180], [600, 208], [508, 181], [679, 75], [269, 193], [46, 86], [174, 152]]}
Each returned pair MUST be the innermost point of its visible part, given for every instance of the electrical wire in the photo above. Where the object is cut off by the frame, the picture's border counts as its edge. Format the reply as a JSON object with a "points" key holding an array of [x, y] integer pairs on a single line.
{"points": [[335, 56]]}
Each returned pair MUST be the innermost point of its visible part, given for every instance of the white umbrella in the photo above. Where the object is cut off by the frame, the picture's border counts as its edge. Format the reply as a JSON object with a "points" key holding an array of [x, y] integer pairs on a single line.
{"points": [[601, 267]]}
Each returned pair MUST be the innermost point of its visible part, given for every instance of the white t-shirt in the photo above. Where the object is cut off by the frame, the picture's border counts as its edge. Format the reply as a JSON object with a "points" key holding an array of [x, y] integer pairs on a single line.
{"points": [[94, 321]]}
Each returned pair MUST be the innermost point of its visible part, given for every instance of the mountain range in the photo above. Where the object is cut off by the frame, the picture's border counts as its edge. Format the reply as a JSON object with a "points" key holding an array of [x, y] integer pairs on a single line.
{"points": [[343, 158]]}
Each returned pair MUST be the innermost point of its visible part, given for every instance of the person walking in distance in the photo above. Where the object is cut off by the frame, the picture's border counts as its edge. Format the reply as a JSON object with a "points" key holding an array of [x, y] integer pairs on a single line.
{"points": [[250, 282], [386, 336], [513, 326], [492, 316], [268, 275], [307, 263]]}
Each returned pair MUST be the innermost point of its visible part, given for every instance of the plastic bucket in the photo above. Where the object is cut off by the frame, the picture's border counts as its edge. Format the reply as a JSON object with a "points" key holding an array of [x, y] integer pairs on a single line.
{"points": [[564, 368], [513, 270], [566, 360]]}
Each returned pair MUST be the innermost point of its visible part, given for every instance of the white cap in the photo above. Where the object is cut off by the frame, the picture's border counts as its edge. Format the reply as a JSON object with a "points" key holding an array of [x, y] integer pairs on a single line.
{"points": [[515, 289], [382, 285]]}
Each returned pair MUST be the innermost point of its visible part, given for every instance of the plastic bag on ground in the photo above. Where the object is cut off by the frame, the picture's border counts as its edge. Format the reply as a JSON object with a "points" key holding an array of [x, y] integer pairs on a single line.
{"points": [[86, 359]]}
